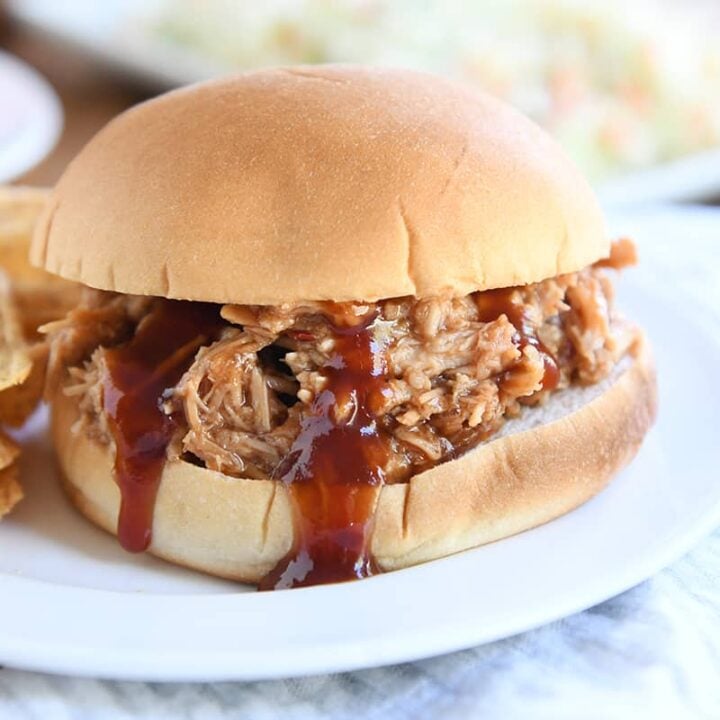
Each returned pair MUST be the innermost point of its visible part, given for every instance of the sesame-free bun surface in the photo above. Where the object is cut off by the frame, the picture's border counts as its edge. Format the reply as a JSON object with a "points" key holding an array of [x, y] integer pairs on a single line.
{"points": [[547, 462], [319, 183]]}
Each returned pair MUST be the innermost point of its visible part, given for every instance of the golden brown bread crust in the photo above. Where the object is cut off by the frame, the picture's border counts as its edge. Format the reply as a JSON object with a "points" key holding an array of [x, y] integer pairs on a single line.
{"points": [[11, 492], [319, 183], [239, 528]]}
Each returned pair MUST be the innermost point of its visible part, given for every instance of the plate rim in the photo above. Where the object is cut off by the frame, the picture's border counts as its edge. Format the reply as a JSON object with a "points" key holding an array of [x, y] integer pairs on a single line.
{"points": [[138, 666]]}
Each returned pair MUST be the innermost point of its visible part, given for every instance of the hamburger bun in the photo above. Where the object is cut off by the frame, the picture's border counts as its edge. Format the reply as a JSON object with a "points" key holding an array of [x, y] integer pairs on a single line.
{"points": [[541, 465], [319, 183]]}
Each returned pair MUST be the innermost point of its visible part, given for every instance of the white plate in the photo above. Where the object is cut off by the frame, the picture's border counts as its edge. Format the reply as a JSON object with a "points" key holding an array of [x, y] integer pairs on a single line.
{"points": [[31, 118], [72, 602], [692, 178]]}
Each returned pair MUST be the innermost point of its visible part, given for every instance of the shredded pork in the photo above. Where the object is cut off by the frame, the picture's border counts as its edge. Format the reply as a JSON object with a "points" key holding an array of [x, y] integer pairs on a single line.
{"points": [[453, 378]]}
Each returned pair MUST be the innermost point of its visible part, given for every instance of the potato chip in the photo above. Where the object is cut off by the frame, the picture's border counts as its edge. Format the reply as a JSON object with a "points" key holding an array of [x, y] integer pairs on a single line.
{"points": [[10, 490], [22, 366], [15, 363], [9, 451], [40, 296], [18, 403], [28, 297], [19, 209]]}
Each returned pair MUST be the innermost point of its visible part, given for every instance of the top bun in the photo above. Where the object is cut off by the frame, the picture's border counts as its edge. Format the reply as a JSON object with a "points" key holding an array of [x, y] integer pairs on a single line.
{"points": [[319, 183]]}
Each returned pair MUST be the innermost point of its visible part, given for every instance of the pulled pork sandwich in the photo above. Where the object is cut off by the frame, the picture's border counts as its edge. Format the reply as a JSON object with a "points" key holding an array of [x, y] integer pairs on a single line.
{"points": [[337, 321]]}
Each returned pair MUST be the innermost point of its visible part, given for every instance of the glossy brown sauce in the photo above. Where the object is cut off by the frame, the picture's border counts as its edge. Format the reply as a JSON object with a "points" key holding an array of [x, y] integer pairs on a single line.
{"points": [[334, 470], [136, 376], [491, 304]]}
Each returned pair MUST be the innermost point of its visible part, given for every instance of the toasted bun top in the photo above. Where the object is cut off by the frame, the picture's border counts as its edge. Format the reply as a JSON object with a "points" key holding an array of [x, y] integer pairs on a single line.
{"points": [[317, 183]]}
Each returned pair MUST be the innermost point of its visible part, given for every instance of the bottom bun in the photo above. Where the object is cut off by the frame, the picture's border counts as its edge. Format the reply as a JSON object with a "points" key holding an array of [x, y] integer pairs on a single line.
{"points": [[541, 465]]}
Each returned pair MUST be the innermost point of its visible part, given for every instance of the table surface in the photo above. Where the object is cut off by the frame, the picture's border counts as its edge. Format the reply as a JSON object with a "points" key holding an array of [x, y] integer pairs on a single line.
{"points": [[652, 652]]}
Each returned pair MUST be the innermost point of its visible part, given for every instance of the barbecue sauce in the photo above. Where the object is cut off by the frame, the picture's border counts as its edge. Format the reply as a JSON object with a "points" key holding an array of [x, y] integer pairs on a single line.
{"points": [[135, 379], [491, 304], [334, 471]]}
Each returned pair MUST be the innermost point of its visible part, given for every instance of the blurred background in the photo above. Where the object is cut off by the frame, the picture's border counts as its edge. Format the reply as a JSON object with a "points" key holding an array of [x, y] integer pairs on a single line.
{"points": [[631, 88]]}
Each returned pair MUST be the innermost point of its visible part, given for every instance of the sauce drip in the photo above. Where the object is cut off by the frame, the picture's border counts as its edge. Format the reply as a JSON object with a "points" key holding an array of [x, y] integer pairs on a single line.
{"points": [[492, 304], [334, 470], [135, 378]]}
